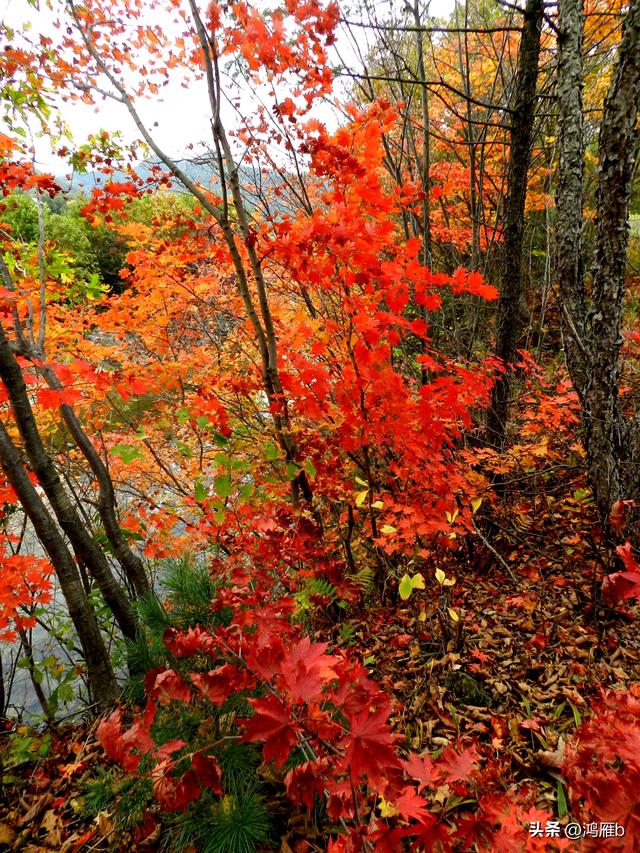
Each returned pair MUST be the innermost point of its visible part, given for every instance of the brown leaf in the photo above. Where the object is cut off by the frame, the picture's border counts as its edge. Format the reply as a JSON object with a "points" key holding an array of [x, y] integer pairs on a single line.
{"points": [[6, 834], [52, 825], [551, 760], [105, 824], [37, 807]]}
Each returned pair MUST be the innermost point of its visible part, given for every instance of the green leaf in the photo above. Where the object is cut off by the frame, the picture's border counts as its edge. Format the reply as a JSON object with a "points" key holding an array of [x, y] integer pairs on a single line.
{"points": [[203, 421], [182, 415], [388, 528], [200, 493], [246, 491], [310, 468], [223, 486], [126, 452], [577, 716], [562, 801], [223, 460], [270, 452], [405, 587], [292, 470]]}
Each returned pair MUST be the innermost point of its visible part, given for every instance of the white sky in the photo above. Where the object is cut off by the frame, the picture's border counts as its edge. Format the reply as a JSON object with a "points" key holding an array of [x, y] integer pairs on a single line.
{"points": [[181, 114]]}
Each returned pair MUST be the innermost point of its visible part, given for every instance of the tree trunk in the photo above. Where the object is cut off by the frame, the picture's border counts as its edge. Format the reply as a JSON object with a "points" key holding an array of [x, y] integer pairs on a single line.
{"points": [[569, 196], [131, 564], [102, 681], [593, 338], [618, 150], [84, 547], [509, 323]]}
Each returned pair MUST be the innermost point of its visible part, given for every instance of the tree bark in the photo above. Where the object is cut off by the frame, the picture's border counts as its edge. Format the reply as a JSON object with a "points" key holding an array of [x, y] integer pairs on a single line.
{"points": [[593, 334], [83, 545], [131, 564], [102, 681], [509, 323], [618, 152], [569, 195]]}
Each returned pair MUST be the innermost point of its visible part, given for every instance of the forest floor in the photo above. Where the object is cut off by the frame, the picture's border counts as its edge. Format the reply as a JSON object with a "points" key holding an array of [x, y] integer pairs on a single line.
{"points": [[525, 664]]}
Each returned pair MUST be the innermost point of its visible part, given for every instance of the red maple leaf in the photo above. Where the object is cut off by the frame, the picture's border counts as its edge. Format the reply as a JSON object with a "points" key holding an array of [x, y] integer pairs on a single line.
{"points": [[422, 770], [306, 669], [188, 643], [272, 723], [457, 766], [370, 747], [208, 771], [410, 805], [303, 783], [169, 686], [218, 684]]}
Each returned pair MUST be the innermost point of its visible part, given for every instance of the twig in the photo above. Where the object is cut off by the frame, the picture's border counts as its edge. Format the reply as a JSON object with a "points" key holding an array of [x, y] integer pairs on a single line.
{"points": [[490, 547]]}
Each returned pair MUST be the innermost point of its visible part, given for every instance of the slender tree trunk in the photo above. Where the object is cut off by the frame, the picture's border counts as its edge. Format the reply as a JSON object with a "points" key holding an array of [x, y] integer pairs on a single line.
{"points": [[131, 564], [569, 198], [85, 548], [102, 681], [618, 149], [593, 335], [27, 645], [509, 322], [425, 158]]}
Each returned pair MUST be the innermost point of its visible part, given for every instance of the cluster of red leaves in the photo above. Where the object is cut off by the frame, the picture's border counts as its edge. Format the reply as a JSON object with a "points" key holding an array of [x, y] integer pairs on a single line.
{"points": [[18, 174], [326, 707], [621, 586], [603, 768], [24, 583]]}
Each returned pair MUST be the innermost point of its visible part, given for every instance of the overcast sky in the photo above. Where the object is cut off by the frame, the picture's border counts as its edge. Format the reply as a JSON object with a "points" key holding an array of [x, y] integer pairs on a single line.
{"points": [[181, 115]]}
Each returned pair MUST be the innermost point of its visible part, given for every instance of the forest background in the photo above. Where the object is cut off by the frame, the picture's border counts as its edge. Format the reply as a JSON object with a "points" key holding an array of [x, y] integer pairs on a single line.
{"points": [[320, 441]]}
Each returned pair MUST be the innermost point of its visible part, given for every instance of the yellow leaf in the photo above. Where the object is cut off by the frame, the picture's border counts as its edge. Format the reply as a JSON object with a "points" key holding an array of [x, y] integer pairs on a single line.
{"points": [[422, 616], [361, 497], [377, 505], [448, 582], [451, 516], [417, 581], [388, 528], [476, 503], [362, 482], [405, 587], [440, 576], [387, 809], [453, 614]]}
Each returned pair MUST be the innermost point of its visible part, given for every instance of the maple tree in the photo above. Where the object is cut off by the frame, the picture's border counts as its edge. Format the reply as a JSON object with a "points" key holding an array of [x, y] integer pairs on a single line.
{"points": [[262, 444]]}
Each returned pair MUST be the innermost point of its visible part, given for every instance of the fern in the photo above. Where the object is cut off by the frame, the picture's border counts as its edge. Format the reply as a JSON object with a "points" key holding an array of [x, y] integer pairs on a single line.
{"points": [[315, 588], [364, 579]]}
